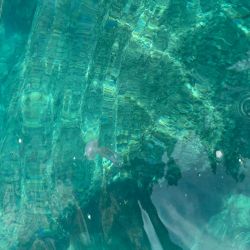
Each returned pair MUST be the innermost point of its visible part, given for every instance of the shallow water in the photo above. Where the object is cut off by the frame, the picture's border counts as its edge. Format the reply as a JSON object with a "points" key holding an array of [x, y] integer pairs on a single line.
{"points": [[161, 88]]}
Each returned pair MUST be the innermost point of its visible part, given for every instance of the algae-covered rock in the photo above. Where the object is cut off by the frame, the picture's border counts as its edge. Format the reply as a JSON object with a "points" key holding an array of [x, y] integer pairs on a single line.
{"points": [[144, 78]]}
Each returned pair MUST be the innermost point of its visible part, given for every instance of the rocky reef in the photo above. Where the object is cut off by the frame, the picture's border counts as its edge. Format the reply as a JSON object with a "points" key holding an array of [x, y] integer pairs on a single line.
{"points": [[144, 78]]}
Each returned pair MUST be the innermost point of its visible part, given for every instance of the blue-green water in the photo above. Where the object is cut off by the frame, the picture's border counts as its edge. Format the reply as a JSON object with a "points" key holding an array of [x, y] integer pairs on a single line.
{"points": [[124, 124]]}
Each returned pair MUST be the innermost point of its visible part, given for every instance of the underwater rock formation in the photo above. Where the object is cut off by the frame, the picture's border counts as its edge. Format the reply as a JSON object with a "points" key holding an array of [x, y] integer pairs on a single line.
{"points": [[144, 77]]}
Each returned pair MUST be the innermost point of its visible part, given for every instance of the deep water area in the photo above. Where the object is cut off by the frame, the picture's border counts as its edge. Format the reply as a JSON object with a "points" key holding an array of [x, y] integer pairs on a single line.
{"points": [[124, 124]]}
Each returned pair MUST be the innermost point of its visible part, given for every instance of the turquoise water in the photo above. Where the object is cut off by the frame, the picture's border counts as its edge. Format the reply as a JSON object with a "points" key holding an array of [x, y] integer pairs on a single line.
{"points": [[124, 124]]}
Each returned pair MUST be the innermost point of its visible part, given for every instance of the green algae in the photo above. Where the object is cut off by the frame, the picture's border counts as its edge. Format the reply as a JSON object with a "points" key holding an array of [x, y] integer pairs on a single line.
{"points": [[146, 79]]}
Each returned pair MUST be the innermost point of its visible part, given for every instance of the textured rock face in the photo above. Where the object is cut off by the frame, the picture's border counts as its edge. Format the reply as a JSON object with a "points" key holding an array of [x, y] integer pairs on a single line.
{"points": [[138, 76]]}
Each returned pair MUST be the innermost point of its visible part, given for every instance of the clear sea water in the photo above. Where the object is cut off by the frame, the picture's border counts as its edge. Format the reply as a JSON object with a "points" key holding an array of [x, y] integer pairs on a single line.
{"points": [[124, 124]]}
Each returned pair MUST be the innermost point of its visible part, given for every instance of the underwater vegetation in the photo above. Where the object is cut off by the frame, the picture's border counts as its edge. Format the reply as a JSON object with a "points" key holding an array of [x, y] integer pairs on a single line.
{"points": [[124, 125]]}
